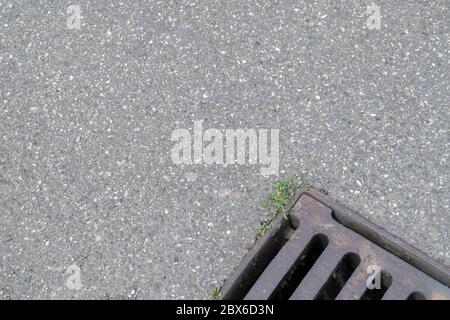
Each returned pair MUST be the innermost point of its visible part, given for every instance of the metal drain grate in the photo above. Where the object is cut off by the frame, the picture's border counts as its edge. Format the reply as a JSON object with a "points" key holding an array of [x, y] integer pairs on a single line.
{"points": [[325, 251]]}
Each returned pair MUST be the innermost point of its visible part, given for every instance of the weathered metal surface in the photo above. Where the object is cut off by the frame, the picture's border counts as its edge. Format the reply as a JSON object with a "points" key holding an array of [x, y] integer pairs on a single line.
{"points": [[292, 262]]}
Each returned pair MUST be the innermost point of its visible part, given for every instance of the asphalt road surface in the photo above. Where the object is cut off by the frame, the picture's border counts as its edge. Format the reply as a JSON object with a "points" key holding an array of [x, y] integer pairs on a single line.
{"points": [[92, 204]]}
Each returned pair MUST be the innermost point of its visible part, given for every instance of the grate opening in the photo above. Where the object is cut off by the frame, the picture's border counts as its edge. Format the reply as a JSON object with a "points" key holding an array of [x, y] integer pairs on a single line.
{"points": [[339, 277], [300, 268], [377, 294], [263, 259], [416, 296]]}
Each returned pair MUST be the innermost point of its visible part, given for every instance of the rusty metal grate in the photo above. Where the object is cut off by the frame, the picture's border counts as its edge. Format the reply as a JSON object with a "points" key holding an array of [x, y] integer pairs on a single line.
{"points": [[326, 251]]}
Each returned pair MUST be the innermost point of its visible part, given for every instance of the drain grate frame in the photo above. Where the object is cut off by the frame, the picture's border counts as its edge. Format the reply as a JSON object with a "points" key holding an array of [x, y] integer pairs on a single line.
{"points": [[277, 267]]}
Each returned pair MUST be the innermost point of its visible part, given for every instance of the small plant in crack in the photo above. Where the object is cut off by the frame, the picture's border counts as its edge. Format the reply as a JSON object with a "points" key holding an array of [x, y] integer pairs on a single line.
{"points": [[215, 293], [276, 202]]}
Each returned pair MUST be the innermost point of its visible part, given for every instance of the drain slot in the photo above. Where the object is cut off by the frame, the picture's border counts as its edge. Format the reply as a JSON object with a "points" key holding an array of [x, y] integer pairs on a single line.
{"points": [[259, 266], [377, 294], [339, 277], [300, 268], [256, 263]]}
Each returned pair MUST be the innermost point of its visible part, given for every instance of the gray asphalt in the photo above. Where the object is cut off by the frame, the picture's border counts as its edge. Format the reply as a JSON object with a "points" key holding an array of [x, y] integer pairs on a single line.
{"points": [[86, 116]]}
